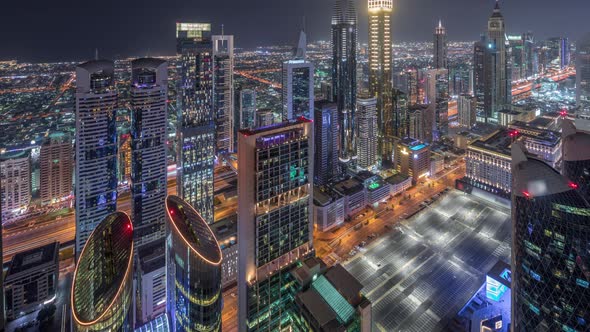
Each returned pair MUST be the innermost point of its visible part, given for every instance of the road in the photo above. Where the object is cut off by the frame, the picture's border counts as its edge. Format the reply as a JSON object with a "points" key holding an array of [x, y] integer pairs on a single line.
{"points": [[334, 246]]}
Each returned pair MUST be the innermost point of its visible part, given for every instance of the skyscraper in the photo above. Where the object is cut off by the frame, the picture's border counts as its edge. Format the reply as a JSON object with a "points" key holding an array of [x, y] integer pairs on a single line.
{"points": [[193, 260], [102, 286], [466, 105], [196, 127], [275, 220], [479, 74], [550, 249], [223, 87], [498, 84], [297, 82], [247, 108], [56, 162], [440, 47], [149, 92], [367, 132], [326, 142], [380, 59], [344, 43], [441, 100], [15, 183], [583, 72], [576, 157], [96, 147]]}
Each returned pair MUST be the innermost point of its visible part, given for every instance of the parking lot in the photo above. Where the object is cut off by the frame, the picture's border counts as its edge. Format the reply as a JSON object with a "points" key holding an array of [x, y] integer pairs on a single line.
{"points": [[420, 274]]}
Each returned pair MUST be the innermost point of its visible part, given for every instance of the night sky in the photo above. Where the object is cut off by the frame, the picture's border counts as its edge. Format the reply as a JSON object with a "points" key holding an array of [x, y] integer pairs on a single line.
{"points": [[53, 30]]}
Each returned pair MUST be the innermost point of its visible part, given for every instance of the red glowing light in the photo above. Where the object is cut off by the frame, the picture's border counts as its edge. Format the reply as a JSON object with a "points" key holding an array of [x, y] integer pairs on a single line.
{"points": [[563, 113], [573, 185], [128, 226], [526, 194], [171, 212]]}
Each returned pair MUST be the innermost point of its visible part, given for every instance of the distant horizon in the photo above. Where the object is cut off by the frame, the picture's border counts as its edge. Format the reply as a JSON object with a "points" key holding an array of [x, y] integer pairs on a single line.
{"points": [[62, 29]]}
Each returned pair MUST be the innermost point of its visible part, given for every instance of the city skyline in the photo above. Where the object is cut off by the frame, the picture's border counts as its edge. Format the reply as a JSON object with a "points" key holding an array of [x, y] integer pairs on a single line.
{"points": [[126, 37]]}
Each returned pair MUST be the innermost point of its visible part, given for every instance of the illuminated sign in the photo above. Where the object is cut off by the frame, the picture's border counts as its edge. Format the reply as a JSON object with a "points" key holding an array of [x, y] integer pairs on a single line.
{"points": [[494, 289]]}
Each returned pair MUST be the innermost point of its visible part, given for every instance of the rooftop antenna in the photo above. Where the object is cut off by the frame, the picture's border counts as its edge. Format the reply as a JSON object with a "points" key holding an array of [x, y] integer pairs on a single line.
{"points": [[96, 53], [222, 29]]}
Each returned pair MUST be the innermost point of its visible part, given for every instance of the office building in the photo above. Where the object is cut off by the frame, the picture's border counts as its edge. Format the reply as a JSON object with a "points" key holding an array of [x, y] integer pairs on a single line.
{"points": [[226, 232], [102, 286], [576, 157], [150, 274], [247, 108], [440, 47], [550, 236], [326, 142], [498, 84], [275, 186], [15, 177], [297, 83], [518, 57], [412, 158], [223, 87], [488, 159], [330, 299], [354, 193], [196, 127], [380, 61], [149, 186], [56, 162], [479, 74], [158, 324], [466, 108], [399, 183], [460, 79], [583, 72], [441, 100], [124, 158], [377, 190], [31, 280], [96, 147], [193, 260], [328, 209], [264, 117], [421, 118], [399, 126], [367, 132], [344, 44]]}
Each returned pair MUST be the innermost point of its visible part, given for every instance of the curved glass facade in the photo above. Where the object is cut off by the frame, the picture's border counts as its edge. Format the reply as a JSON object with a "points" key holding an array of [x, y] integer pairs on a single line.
{"points": [[194, 270], [103, 280], [551, 252]]}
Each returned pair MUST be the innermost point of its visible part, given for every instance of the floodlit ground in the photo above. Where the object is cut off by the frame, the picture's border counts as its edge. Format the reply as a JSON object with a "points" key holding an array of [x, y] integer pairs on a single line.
{"points": [[423, 272]]}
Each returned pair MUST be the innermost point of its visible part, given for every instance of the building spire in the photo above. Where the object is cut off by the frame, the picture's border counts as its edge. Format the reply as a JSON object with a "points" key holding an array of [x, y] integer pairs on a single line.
{"points": [[497, 6], [439, 23], [301, 51], [96, 53]]}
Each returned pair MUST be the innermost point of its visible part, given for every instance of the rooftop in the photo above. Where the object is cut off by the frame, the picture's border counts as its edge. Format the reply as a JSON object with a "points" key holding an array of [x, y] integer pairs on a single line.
{"points": [[36, 257], [397, 178], [284, 124], [324, 197], [152, 256], [225, 228], [349, 187]]}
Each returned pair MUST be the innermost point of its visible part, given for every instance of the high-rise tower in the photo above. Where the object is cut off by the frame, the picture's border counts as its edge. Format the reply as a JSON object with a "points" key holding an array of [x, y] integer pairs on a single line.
{"points": [[96, 147], [550, 249], [223, 97], [196, 127], [583, 72], [297, 82], [576, 157], [102, 286], [367, 132], [380, 61], [498, 84], [326, 142], [275, 222], [56, 163], [193, 260], [440, 47], [344, 40], [149, 90]]}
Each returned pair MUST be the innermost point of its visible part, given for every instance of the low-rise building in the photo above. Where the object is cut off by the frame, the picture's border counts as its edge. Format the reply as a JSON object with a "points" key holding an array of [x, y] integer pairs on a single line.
{"points": [[151, 280], [398, 183], [31, 279], [377, 189], [437, 163], [412, 158], [328, 209], [330, 299], [354, 195], [226, 232]]}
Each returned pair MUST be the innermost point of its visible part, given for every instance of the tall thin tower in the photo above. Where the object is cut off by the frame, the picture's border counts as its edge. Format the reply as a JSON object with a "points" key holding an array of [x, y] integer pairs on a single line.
{"points": [[499, 83], [344, 39], [223, 97], [196, 127], [149, 92], [96, 147], [440, 47], [380, 59]]}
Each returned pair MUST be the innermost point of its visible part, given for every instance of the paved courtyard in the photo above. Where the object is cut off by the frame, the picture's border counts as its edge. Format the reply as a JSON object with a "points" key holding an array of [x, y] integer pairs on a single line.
{"points": [[420, 274]]}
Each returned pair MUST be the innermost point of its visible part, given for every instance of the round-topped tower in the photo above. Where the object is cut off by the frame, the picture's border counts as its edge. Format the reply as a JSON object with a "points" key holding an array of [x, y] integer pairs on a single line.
{"points": [[193, 259]]}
